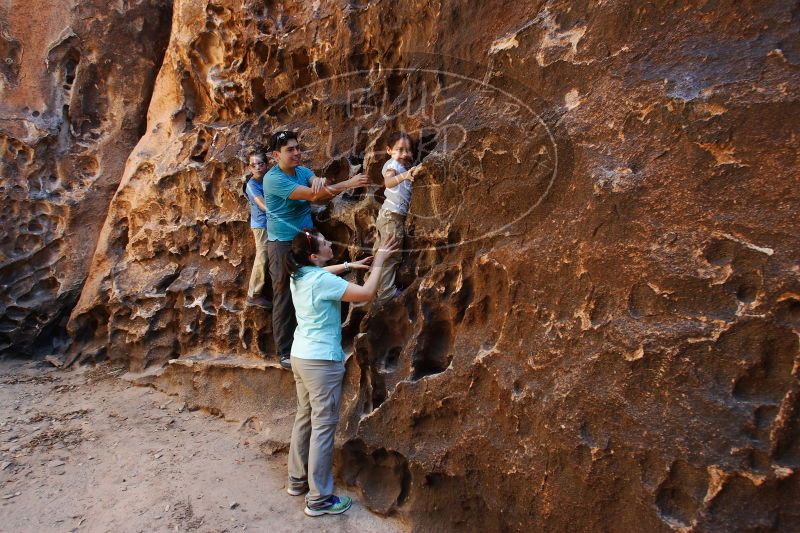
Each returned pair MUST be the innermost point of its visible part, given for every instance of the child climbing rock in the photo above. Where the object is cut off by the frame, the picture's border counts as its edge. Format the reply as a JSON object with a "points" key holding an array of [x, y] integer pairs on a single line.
{"points": [[398, 175]]}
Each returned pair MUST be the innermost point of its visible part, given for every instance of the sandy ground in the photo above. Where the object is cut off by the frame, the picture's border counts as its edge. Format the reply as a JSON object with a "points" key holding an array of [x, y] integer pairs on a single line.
{"points": [[86, 451]]}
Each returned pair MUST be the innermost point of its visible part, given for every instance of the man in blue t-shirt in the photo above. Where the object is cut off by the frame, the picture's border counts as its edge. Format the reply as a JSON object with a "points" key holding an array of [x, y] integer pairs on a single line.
{"points": [[289, 190], [258, 223]]}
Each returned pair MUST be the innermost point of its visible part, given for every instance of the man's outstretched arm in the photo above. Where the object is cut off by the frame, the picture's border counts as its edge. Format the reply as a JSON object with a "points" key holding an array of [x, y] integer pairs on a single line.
{"points": [[301, 192]]}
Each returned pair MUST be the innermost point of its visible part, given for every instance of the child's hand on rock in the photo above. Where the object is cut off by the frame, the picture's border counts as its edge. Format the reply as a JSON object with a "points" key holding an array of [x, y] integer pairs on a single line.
{"points": [[413, 172]]}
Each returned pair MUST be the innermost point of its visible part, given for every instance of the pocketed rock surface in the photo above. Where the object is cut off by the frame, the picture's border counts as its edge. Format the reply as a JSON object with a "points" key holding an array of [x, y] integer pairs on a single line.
{"points": [[599, 322], [75, 82]]}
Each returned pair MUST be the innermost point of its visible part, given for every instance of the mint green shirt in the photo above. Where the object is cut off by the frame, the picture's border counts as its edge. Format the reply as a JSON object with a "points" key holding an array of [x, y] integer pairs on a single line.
{"points": [[317, 296]]}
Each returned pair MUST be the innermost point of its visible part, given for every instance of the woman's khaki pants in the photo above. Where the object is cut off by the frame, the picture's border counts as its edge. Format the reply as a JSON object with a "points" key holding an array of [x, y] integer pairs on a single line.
{"points": [[319, 394]]}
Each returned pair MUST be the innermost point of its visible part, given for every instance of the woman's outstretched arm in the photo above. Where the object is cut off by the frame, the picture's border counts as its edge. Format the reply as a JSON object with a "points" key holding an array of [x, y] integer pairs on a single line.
{"points": [[339, 269], [366, 292]]}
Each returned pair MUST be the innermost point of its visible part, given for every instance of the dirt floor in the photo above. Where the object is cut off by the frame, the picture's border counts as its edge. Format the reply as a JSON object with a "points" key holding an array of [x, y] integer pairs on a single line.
{"points": [[84, 450]]}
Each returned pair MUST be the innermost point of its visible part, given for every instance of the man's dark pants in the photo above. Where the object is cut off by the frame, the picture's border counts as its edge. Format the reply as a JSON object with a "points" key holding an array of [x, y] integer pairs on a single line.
{"points": [[283, 320]]}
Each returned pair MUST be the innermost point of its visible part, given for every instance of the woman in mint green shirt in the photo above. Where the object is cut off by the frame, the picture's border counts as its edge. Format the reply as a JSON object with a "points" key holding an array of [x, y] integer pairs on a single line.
{"points": [[318, 362]]}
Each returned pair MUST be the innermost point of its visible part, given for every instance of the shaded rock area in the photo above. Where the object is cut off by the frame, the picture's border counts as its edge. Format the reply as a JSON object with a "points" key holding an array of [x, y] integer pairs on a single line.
{"points": [[75, 83], [599, 322]]}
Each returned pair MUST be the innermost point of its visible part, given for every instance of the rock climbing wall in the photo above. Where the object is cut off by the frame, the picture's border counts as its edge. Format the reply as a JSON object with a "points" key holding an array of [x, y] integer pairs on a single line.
{"points": [[75, 83], [601, 306]]}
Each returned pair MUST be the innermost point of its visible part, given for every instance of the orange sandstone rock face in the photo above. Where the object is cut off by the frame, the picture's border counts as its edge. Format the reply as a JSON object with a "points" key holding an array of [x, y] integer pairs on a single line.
{"points": [[599, 323], [75, 83]]}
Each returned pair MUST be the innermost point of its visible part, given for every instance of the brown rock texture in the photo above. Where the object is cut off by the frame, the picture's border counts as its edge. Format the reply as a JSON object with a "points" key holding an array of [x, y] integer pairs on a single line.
{"points": [[75, 84], [601, 307]]}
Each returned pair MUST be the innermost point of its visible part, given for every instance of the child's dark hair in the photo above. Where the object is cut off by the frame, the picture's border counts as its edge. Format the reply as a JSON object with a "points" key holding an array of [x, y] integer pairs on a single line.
{"points": [[281, 139], [396, 136], [304, 244], [257, 153]]}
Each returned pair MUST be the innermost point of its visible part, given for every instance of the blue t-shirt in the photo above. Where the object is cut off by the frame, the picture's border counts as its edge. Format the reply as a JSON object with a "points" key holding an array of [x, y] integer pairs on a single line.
{"points": [[286, 217], [317, 296], [258, 218]]}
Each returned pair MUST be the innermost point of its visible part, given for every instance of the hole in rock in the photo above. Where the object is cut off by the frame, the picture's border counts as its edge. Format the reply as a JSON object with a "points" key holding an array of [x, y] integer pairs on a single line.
{"points": [[262, 51], [365, 384], [746, 293], [433, 479], [680, 494], [463, 299], [120, 240], [34, 226], [764, 415], [720, 252], [166, 281], [337, 170], [200, 150], [54, 331], [392, 359], [433, 353], [43, 290], [259, 92], [747, 286], [427, 142], [206, 51], [300, 63], [93, 102], [247, 337], [383, 475], [321, 69], [788, 313], [379, 393], [769, 356], [70, 67], [264, 342]]}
